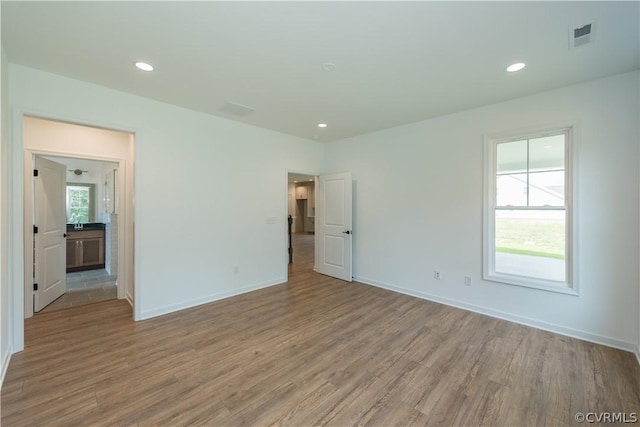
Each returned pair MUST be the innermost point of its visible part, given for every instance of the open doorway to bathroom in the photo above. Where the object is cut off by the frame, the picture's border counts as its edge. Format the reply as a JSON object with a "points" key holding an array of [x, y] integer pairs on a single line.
{"points": [[301, 211], [91, 266], [94, 167]]}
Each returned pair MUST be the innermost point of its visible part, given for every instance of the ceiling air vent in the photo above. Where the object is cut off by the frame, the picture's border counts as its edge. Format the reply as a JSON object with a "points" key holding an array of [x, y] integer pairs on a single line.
{"points": [[580, 36], [237, 109]]}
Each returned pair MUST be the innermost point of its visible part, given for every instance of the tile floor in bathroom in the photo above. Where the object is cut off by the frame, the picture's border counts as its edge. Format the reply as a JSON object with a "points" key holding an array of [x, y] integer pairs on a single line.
{"points": [[85, 287], [89, 279]]}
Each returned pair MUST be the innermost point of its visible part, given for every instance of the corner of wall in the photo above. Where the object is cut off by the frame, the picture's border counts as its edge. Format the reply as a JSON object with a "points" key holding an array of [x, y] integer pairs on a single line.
{"points": [[5, 308]]}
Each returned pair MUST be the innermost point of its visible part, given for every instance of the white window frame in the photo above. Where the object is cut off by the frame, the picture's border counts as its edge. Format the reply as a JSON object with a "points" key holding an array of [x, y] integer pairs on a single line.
{"points": [[570, 285]]}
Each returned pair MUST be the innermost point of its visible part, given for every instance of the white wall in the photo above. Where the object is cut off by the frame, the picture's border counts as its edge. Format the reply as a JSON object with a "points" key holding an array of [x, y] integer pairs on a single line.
{"points": [[418, 208], [5, 294], [204, 189]]}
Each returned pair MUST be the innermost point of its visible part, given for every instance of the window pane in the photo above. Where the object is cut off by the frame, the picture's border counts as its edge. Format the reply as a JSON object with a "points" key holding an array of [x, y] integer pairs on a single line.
{"points": [[546, 188], [531, 244], [77, 215], [511, 157], [511, 190], [546, 153], [78, 204], [78, 196]]}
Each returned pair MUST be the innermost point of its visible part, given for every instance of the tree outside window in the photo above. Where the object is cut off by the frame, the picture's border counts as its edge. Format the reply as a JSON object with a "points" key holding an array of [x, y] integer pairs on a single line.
{"points": [[79, 203]]}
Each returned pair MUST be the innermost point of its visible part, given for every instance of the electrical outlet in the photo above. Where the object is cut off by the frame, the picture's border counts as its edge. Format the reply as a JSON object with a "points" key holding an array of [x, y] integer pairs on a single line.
{"points": [[436, 275], [467, 280]]}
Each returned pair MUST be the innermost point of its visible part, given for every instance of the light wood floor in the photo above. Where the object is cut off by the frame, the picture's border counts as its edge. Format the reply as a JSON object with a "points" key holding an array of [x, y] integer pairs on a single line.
{"points": [[313, 351]]}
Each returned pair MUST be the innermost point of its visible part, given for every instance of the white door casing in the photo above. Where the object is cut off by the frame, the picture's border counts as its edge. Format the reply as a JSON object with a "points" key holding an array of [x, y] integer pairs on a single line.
{"points": [[334, 225], [50, 243]]}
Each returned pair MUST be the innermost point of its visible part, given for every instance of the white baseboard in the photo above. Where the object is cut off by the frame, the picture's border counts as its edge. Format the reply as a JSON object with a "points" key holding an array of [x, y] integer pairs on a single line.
{"points": [[211, 298], [574, 333], [638, 353], [6, 358], [129, 298]]}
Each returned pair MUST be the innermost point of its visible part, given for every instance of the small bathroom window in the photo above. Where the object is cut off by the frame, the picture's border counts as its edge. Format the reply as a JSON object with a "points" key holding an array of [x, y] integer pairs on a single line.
{"points": [[80, 203]]}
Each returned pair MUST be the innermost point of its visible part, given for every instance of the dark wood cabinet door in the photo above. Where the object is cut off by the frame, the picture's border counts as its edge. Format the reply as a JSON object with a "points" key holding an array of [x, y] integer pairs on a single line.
{"points": [[72, 253], [92, 251], [85, 250]]}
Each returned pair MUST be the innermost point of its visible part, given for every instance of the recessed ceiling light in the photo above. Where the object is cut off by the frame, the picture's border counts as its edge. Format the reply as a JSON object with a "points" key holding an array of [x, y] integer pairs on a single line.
{"points": [[516, 67], [144, 66], [295, 182], [548, 146], [322, 125], [310, 179]]}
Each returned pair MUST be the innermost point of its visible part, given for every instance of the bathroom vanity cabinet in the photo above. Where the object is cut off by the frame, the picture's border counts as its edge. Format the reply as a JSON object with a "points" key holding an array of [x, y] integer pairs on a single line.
{"points": [[85, 250]]}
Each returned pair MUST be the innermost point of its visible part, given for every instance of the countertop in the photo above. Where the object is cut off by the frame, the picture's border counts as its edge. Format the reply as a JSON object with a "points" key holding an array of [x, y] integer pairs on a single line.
{"points": [[86, 226]]}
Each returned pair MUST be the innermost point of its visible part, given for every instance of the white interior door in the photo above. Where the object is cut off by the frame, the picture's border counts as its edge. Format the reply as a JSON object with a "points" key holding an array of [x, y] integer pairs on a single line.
{"points": [[50, 244], [333, 225]]}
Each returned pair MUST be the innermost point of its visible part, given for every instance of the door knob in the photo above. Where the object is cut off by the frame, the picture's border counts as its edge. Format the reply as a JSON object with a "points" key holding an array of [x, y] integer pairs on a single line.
{"points": [[347, 232]]}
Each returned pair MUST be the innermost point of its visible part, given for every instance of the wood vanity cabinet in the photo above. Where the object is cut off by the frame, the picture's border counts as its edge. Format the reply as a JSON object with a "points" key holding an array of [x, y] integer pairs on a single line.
{"points": [[85, 250]]}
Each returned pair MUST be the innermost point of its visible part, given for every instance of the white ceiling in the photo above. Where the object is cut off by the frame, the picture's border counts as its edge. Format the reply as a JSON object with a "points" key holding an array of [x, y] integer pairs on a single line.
{"points": [[301, 178], [396, 62]]}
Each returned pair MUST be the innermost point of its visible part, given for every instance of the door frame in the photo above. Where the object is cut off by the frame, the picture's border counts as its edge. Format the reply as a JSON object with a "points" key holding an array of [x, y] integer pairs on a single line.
{"points": [[20, 262], [286, 213]]}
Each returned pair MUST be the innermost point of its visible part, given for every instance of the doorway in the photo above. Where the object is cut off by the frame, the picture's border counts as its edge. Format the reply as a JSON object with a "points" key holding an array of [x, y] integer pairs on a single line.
{"points": [[301, 211], [90, 238], [110, 154], [324, 203]]}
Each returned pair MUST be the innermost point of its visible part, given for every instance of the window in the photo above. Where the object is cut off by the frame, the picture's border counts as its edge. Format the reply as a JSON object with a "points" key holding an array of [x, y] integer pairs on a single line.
{"points": [[80, 203], [528, 210]]}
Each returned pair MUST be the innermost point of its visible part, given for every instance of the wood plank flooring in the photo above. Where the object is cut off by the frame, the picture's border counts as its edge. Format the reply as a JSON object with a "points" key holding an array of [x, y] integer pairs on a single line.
{"points": [[313, 351]]}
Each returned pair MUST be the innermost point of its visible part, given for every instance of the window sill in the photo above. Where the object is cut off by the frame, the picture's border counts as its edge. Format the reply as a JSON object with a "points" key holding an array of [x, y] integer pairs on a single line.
{"points": [[543, 285]]}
